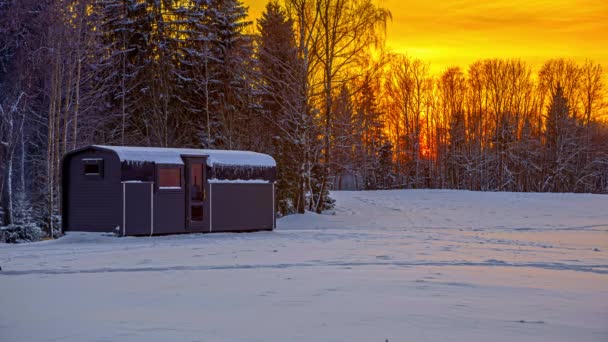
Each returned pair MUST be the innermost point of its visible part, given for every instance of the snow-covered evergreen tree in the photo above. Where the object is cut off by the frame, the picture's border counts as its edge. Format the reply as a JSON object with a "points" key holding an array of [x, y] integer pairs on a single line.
{"points": [[290, 130], [25, 225], [233, 49], [562, 144]]}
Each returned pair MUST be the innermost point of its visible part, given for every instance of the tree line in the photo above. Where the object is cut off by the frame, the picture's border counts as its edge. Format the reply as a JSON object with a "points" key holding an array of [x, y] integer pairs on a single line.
{"points": [[496, 126], [309, 83]]}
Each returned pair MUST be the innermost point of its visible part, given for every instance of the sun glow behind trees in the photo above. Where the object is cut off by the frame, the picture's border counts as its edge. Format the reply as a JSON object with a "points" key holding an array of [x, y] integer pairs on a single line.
{"points": [[479, 126], [441, 36]]}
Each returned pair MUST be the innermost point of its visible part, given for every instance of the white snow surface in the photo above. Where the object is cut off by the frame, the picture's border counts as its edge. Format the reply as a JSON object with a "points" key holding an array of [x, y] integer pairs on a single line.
{"points": [[420, 265], [173, 156], [238, 181]]}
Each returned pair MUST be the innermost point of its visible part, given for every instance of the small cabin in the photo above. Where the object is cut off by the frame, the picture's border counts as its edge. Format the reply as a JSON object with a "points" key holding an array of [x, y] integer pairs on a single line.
{"points": [[152, 190]]}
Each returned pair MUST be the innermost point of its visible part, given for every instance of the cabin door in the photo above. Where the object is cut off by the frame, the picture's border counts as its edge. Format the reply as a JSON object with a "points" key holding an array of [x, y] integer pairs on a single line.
{"points": [[196, 197]]}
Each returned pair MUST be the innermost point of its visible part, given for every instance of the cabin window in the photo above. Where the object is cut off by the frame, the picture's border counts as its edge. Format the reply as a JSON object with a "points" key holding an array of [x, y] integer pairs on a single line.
{"points": [[93, 167], [169, 178]]}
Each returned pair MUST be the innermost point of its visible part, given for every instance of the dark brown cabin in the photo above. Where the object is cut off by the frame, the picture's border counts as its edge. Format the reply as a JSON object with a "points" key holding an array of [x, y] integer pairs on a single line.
{"points": [[151, 190]]}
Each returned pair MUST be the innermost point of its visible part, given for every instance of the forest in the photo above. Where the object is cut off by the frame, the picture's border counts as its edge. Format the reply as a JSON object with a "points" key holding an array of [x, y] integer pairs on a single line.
{"points": [[311, 83]]}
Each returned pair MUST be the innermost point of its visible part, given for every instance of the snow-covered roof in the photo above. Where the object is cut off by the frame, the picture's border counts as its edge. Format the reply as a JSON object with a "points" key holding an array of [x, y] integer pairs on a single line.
{"points": [[161, 155]]}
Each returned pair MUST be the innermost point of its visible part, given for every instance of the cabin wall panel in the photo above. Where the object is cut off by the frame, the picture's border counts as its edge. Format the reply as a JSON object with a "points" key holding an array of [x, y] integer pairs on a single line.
{"points": [[242, 206], [95, 203], [169, 212], [138, 208]]}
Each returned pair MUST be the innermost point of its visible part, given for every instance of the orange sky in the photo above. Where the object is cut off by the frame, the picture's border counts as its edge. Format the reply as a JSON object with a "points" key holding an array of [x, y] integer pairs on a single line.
{"points": [[447, 33]]}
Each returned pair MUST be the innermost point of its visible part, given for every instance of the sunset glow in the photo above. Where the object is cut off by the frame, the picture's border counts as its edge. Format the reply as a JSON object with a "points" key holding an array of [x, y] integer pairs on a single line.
{"points": [[457, 33]]}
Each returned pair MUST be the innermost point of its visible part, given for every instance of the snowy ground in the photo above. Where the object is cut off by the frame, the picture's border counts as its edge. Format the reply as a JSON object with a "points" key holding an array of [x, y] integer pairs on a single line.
{"points": [[397, 265]]}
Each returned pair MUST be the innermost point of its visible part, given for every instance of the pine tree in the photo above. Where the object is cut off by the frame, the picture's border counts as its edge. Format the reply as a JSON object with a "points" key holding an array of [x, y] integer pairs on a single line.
{"points": [[344, 140], [557, 122], [561, 143], [384, 170], [369, 128], [234, 50], [124, 32], [277, 58]]}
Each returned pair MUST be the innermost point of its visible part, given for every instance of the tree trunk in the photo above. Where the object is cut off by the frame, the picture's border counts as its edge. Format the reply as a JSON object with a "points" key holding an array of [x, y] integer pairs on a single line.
{"points": [[9, 188]]}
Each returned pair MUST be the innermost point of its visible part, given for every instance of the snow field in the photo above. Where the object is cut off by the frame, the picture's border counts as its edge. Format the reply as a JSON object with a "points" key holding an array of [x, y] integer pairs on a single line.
{"points": [[418, 265]]}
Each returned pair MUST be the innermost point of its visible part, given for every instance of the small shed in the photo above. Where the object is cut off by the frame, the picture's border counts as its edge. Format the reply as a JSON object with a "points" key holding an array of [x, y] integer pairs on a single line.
{"points": [[152, 190]]}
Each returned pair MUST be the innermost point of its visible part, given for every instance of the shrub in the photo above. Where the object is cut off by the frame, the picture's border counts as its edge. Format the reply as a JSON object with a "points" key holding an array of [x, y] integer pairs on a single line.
{"points": [[16, 233]]}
